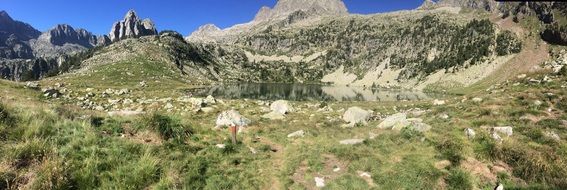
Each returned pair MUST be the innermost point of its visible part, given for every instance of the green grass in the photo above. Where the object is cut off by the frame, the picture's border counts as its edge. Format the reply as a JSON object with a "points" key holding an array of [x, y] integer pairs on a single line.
{"points": [[71, 148]]}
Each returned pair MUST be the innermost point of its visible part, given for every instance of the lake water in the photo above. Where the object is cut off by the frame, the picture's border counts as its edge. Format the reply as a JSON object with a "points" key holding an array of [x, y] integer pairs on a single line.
{"points": [[304, 92]]}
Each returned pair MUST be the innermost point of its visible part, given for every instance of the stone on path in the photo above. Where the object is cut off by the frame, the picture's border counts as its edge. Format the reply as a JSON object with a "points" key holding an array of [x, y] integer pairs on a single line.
{"points": [[319, 182]]}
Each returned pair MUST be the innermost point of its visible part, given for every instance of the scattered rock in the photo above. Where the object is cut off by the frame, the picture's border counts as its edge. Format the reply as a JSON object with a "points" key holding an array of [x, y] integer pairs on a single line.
{"points": [[281, 106], [143, 84], [444, 116], [477, 100], [319, 182], [210, 100], [538, 103], [437, 102], [221, 146], [32, 85], [351, 141], [168, 106], [552, 135], [231, 117], [125, 113], [504, 130], [397, 120], [355, 115], [299, 133], [496, 137], [206, 109], [274, 116], [522, 76], [123, 91], [51, 93], [470, 133]]}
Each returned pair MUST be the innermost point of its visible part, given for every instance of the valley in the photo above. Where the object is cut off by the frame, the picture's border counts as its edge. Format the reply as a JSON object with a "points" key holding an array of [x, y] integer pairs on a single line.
{"points": [[455, 94]]}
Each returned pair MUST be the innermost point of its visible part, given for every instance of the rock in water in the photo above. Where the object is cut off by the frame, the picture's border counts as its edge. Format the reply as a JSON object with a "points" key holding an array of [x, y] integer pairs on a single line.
{"points": [[281, 106], [231, 117], [132, 27], [356, 115], [394, 121]]}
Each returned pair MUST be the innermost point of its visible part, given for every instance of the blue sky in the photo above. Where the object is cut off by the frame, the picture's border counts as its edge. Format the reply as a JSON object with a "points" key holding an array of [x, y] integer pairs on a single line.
{"points": [[183, 16]]}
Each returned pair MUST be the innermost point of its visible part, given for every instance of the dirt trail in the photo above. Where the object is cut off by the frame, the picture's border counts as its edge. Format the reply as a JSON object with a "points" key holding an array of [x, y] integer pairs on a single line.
{"points": [[277, 163]]}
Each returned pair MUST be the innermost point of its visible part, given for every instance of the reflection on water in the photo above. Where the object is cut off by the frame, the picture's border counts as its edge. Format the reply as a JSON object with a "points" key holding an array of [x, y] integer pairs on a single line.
{"points": [[303, 92]]}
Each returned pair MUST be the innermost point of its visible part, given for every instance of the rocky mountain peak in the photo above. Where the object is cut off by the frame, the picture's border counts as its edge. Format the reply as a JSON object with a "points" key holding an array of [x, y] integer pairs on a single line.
{"points": [[132, 27], [427, 4], [488, 5], [63, 33], [312, 7], [4, 16]]}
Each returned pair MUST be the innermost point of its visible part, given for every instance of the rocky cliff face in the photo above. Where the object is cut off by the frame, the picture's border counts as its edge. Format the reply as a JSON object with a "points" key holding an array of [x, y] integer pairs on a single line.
{"points": [[14, 36], [62, 39], [132, 27]]}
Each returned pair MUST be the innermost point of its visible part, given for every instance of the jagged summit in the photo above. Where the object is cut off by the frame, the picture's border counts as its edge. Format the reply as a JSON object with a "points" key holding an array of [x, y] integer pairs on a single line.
{"points": [[132, 27], [64, 33], [312, 7]]}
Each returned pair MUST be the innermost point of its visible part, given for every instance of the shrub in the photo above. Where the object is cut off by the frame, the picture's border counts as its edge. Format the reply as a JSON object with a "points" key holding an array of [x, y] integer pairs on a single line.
{"points": [[486, 147], [24, 154], [167, 127], [6, 117], [451, 149], [562, 104], [458, 179], [563, 71], [410, 133]]}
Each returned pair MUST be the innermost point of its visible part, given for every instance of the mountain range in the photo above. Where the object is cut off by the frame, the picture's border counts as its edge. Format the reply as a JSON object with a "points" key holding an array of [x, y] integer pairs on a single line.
{"points": [[447, 43]]}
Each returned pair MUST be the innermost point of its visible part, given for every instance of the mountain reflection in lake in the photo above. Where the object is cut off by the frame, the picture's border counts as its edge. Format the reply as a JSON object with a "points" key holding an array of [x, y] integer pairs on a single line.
{"points": [[304, 92]]}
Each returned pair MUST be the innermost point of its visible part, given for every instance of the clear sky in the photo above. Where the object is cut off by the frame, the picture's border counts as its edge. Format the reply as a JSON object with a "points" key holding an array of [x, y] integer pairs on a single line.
{"points": [[183, 16]]}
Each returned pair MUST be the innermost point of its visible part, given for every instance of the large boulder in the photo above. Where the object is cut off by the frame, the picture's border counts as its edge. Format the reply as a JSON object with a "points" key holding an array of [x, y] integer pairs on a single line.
{"points": [[398, 120], [355, 115], [231, 118], [281, 107]]}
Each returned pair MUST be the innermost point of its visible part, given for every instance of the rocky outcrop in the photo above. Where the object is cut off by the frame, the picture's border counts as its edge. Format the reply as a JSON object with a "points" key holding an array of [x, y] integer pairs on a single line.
{"points": [[132, 27]]}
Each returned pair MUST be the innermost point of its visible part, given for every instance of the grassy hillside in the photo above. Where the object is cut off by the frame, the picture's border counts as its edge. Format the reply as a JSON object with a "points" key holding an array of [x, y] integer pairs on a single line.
{"points": [[53, 145]]}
